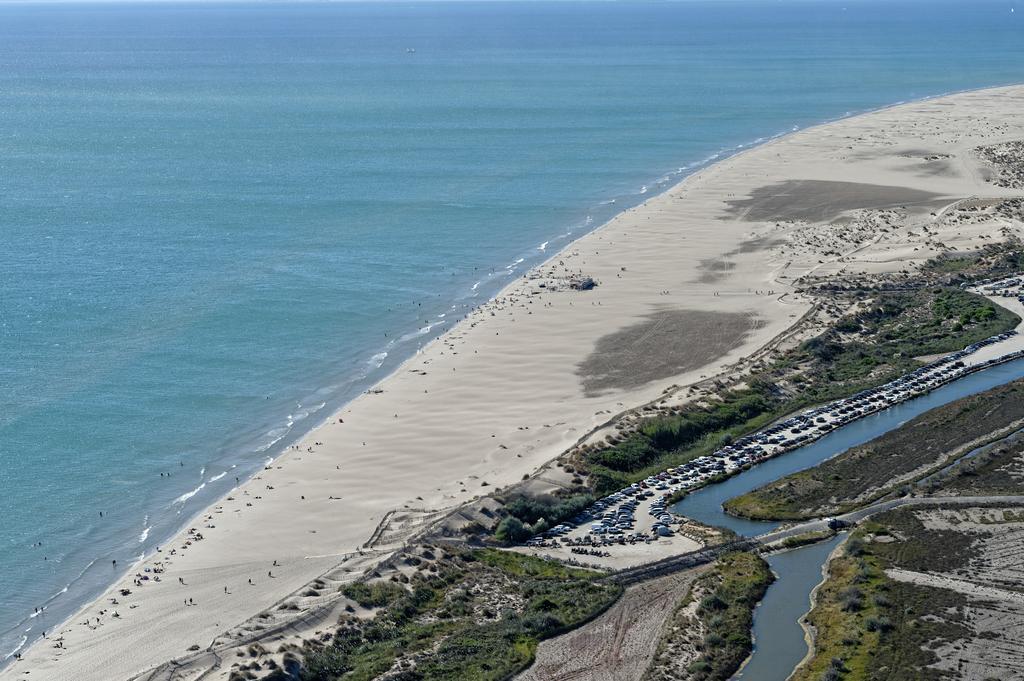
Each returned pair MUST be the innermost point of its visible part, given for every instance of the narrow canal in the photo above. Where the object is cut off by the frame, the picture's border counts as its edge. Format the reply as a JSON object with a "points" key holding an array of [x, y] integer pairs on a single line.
{"points": [[778, 636], [779, 642]]}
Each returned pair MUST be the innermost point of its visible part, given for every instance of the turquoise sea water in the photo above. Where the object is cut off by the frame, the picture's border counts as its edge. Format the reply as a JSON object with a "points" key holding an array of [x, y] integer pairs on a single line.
{"points": [[211, 215]]}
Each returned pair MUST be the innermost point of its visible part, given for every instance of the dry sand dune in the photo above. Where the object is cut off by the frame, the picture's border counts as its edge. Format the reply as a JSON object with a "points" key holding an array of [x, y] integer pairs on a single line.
{"points": [[689, 283]]}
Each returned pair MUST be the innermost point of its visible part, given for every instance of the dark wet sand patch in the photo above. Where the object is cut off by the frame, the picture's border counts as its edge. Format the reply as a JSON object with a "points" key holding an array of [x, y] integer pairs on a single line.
{"points": [[914, 153], [935, 168], [666, 344], [923, 154], [822, 200], [754, 245], [930, 163], [714, 269]]}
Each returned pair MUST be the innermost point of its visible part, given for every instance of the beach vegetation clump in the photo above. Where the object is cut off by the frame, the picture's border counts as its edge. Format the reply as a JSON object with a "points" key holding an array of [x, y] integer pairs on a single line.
{"points": [[670, 440], [737, 583], [718, 628], [527, 515], [891, 329], [479, 614], [512, 530], [374, 594]]}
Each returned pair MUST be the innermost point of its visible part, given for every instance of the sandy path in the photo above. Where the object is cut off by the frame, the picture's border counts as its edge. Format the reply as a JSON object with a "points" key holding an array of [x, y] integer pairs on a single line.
{"points": [[978, 591], [502, 392]]}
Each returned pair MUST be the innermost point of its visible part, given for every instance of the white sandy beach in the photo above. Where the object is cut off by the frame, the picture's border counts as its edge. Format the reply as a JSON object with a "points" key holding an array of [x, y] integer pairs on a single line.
{"points": [[690, 282]]}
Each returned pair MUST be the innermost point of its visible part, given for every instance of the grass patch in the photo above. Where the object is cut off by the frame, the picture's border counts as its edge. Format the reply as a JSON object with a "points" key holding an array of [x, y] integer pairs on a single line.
{"points": [[375, 595], [470, 614]]}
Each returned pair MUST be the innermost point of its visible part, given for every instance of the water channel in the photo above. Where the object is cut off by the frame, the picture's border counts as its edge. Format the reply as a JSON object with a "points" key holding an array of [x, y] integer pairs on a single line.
{"points": [[779, 642]]}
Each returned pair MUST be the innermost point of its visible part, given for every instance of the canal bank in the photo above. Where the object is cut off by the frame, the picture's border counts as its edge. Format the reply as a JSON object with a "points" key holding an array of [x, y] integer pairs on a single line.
{"points": [[780, 643]]}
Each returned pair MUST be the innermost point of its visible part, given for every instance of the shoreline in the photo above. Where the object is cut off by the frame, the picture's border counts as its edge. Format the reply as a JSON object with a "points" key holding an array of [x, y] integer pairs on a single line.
{"points": [[363, 384], [503, 274], [507, 276], [540, 450]]}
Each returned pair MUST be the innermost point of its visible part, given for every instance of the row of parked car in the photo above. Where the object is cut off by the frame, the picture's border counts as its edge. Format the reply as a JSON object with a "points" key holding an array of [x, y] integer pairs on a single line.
{"points": [[989, 286], [1006, 288], [613, 518]]}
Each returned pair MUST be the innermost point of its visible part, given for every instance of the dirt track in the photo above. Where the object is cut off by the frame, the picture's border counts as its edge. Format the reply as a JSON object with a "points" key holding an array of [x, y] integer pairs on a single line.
{"points": [[620, 643]]}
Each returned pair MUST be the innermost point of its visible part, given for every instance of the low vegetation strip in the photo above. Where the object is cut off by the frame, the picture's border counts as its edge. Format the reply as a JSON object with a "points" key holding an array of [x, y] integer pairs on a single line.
{"points": [[865, 473], [452, 614], [709, 635], [806, 538], [869, 625]]}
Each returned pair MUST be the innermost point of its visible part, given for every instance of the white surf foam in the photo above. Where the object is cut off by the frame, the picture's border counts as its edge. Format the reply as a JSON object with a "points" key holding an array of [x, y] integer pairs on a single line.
{"points": [[188, 495], [418, 332], [21, 644], [514, 266], [274, 436]]}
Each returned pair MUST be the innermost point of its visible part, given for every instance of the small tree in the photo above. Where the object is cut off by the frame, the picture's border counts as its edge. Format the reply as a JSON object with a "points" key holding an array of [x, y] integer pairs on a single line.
{"points": [[512, 529]]}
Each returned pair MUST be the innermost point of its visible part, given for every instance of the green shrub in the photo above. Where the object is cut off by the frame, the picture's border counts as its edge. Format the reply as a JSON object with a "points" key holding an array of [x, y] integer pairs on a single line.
{"points": [[373, 595], [512, 529]]}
